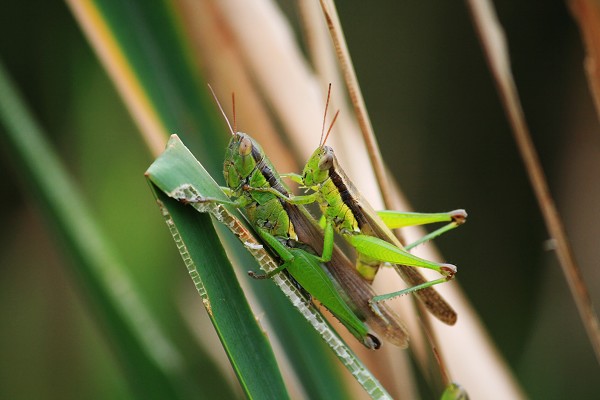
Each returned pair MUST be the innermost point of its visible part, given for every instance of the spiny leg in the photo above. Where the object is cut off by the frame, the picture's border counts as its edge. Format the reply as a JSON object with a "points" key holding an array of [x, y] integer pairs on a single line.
{"points": [[412, 289]]}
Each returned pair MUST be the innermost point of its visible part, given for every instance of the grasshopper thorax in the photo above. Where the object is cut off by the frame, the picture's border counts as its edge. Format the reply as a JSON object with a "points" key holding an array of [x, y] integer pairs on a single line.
{"points": [[240, 159], [316, 170]]}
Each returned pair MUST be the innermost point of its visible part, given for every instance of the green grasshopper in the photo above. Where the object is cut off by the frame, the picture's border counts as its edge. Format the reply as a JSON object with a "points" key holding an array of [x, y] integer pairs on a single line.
{"points": [[295, 237], [369, 232]]}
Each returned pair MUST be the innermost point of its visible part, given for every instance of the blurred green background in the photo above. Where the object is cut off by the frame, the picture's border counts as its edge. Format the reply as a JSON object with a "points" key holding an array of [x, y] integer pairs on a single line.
{"points": [[442, 132]]}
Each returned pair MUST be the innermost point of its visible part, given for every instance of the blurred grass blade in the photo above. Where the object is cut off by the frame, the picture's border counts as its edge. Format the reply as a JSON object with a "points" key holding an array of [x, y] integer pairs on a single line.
{"points": [[179, 175], [154, 367], [143, 47]]}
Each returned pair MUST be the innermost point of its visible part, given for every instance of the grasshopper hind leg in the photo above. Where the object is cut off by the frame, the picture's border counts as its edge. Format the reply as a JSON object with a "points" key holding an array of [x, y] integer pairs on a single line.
{"points": [[395, 219], [417, 285]]}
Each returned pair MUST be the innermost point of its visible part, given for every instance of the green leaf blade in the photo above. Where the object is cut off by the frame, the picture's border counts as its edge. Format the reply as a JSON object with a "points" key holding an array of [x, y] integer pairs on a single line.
{"points": [[243, 340]]}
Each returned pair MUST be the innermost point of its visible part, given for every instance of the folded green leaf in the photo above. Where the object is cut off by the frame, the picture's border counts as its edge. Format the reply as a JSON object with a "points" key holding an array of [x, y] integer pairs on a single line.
{"points": [[243, 339]]}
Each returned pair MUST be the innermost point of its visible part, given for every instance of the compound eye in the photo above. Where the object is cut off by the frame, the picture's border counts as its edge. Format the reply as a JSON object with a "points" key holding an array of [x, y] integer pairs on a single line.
{"points": [[245, 146], [326, 162]]}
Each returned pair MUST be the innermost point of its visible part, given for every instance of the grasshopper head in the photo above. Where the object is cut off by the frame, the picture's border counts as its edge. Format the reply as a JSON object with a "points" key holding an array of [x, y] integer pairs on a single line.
{"points": [[239, 160], [317, 168]]}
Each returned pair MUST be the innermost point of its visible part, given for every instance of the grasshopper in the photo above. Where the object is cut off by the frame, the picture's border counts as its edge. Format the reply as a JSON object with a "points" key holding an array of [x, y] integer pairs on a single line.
{"points": [[369, 232], [295, 237]]}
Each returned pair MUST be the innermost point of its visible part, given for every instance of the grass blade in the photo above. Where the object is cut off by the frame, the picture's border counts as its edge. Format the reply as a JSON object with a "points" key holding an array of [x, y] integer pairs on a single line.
{"points": [[243, 339]]}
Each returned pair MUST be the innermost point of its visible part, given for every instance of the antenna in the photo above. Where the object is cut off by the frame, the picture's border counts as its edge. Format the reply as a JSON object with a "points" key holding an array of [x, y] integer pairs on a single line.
{"points": [[331, 126], [223, 112], [321, 142], [233, 105]]}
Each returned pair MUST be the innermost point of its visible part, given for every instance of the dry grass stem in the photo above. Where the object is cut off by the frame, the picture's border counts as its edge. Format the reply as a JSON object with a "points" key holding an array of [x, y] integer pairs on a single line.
{"points": [[273, 60], [587, 14], [360, 109], [494, 44], [218, 55]]}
